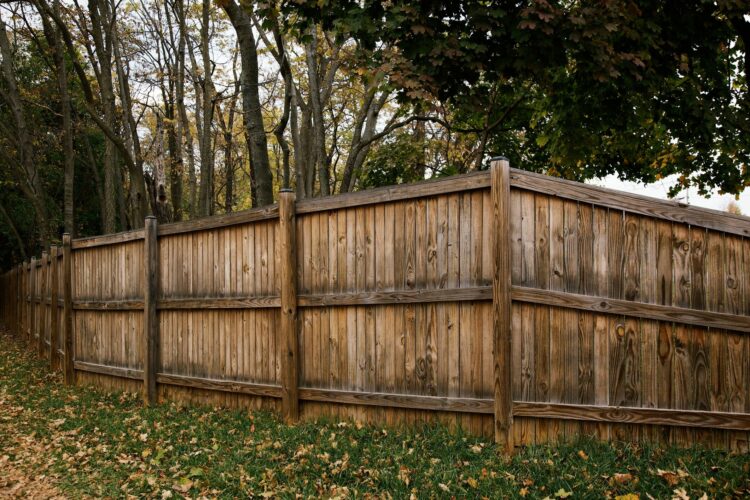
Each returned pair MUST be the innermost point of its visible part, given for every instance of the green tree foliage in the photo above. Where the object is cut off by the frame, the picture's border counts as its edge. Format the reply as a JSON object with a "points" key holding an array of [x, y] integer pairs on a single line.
{"points": [[37, 82], [643, 89], [398, 160]]}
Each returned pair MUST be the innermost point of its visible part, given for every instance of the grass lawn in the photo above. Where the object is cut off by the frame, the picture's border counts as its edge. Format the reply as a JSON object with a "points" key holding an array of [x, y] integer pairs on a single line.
{"points": [[81, 442]]}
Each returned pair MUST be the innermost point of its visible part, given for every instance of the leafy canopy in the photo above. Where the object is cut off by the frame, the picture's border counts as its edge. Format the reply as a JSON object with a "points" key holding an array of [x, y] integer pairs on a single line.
{"points": [[643, 89]]}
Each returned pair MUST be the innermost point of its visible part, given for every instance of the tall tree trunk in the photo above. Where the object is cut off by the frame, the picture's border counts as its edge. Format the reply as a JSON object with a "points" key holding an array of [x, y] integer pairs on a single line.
{"points": [[61, 72], [229, 171], [103, 51], [253, 114], [139, 201], [174, 126], [319, 137], [286, 73], [184, 132], [92, 163], [207, 166]]}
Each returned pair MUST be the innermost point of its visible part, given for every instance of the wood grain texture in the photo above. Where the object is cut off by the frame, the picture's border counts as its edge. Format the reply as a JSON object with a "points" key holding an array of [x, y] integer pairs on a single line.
{"points": [[423, 189], [633, 203], [67, 316], [114, 371], [220, 303], [501, 302], [460, 294], [54, 311], [107, 239], [220, 221], [628, 415], [596, 304], [435, 403], [150, 343], [33, 334], [42, 287], [234, 386], [622, 317], [289, 343]]}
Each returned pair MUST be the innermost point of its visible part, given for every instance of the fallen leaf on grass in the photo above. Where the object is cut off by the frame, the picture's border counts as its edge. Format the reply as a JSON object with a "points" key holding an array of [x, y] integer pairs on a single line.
{"points": [[622, 478], [672, 478], [680, 494], [628, 496], [583, 455], [561, 493], [183, 485], [403, 475]]}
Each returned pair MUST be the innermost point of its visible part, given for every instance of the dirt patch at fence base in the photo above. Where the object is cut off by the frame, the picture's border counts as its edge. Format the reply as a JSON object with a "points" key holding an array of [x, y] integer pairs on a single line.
{"points": [[15, 483]]}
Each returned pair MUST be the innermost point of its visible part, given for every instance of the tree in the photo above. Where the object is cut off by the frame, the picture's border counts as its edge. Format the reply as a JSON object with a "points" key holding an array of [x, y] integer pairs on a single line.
{"points": [[255, 132], [19, 140], [610, 87]]}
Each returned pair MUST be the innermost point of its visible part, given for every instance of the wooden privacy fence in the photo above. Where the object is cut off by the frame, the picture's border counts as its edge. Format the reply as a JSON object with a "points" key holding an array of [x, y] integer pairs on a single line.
{"points": [[515, 305]]}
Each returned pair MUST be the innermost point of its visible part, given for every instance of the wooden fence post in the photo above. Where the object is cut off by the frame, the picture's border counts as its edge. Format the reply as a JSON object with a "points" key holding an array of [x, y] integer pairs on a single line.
{"points": [[150, 347], [68, 373], [22, 301], [501, 302], [14, 312], [14, 301], [42, 308], [289, 346], [32, 299], [54, 309], [27, 301], [19, 299]]}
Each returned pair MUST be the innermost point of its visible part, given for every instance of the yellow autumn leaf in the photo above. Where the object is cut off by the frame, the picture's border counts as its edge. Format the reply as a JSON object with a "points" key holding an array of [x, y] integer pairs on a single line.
{"points": [[628, 496]]}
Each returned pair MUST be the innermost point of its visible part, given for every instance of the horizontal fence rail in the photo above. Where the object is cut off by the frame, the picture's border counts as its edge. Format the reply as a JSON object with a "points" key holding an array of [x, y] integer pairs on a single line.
{"points": [[515, 305]]}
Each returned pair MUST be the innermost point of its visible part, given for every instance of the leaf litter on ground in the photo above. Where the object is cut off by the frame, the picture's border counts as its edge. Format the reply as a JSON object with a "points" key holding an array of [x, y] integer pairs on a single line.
{"points": [[58, 441]]}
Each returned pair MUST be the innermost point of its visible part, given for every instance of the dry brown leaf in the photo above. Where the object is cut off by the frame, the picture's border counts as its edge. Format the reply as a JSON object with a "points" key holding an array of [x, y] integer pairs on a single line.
{"points": [[183, 485], [680, 494], [672, 478], [622, 478], [403, 475]]}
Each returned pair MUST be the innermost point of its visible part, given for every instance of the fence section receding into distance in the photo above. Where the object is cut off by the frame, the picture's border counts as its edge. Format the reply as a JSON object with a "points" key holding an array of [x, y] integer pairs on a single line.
{"points": [[516, 305]]}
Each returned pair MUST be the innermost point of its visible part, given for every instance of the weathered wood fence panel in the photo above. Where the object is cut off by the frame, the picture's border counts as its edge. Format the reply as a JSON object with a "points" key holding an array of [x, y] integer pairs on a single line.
{"points": [[106, 281], [380, 288], [512, 304], [572, 350], [218, 315]]}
